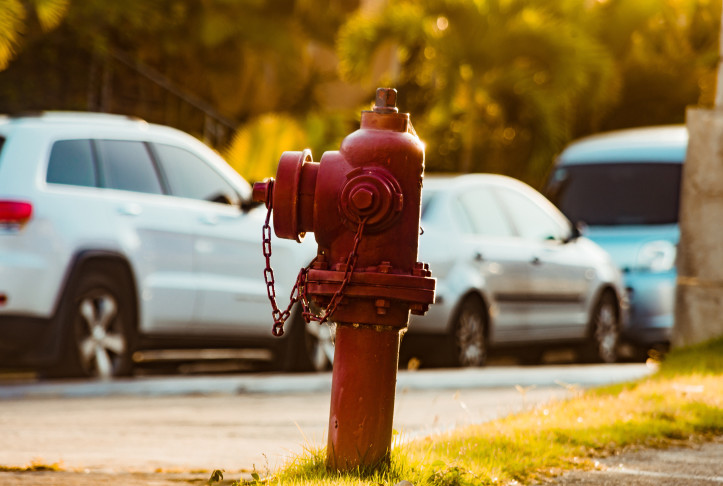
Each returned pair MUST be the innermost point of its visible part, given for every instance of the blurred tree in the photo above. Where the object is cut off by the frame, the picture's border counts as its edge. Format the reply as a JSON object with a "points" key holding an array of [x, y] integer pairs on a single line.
{"points": [[257, 146], [254, 150], [16, 14], [163, 59], [666, 52], [495, 85]]}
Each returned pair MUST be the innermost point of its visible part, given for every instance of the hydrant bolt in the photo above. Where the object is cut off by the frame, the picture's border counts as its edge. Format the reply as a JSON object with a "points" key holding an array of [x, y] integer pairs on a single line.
{"points": [[362, 198], [384, 267], [382, 305], [386, 101]]}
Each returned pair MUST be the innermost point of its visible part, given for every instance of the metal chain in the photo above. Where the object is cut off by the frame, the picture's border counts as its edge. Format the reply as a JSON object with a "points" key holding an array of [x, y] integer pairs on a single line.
{"points": [[298, 292], [349, 269], [278, 316]]}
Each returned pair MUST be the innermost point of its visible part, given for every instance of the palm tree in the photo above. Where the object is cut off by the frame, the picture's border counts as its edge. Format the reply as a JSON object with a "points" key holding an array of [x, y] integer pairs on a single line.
{"points": [[497, 82], [16, 14]]}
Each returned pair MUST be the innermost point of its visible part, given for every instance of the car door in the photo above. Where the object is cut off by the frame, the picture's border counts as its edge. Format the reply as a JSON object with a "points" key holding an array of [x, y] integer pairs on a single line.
{"points": [[501, 257], [559, 275], [154, 232], [228, 259]]}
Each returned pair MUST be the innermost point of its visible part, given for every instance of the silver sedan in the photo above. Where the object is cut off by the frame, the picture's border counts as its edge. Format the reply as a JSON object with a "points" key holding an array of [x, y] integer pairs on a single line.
{"points": [[513, 274]]}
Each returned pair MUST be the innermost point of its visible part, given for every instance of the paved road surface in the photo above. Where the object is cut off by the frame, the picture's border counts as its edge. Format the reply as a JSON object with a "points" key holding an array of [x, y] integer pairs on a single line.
{"points": [[235, 423]]}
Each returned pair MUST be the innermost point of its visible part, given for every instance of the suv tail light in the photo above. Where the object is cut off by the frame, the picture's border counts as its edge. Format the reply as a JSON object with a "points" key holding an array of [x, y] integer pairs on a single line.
{"points": [[15, 212]]}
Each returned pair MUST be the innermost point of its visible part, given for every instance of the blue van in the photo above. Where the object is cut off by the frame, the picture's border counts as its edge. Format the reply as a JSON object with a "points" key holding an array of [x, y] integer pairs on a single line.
{"points": [[624, 186]]}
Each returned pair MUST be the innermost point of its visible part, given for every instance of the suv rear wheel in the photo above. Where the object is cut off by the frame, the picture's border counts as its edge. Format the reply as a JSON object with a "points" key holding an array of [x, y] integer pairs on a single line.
{"points": [[98, 328]]}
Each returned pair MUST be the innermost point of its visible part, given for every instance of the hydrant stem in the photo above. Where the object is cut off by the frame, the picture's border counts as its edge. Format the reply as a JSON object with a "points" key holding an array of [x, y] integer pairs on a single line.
{"points": [[362, 397]]}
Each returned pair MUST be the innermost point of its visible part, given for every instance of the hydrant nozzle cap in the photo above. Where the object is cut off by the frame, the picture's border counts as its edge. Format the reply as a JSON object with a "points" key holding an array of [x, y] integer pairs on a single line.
{"points": [[386, 101], [262, 191]]}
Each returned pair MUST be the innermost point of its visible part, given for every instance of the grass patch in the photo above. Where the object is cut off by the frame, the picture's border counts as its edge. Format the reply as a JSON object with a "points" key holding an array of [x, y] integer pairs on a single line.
{"points": [[683, 401]]}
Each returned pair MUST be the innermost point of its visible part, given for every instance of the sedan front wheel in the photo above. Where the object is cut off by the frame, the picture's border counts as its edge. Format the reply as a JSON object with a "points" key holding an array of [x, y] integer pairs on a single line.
{"points": [[604, 337], [469, 338]]}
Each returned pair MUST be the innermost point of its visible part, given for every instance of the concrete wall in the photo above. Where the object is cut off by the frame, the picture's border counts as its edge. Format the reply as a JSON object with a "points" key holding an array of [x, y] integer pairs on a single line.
{"points": [[699, 292]]}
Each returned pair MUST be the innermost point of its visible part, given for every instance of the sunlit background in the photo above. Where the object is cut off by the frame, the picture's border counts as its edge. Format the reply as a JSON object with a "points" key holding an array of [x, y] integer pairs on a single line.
{"points": [[492, 85]]}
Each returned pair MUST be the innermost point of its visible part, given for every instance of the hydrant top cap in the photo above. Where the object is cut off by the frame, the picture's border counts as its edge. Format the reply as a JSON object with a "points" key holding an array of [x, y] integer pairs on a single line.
{"points": [[386, 101]]}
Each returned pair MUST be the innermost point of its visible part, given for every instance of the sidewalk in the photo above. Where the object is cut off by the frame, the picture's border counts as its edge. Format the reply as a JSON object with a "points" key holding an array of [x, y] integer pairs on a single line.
{"points": [[697, 465]]}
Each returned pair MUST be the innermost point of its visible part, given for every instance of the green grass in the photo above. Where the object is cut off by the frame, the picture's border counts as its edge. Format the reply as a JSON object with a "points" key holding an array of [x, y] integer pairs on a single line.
{"points": [[682, 402]]}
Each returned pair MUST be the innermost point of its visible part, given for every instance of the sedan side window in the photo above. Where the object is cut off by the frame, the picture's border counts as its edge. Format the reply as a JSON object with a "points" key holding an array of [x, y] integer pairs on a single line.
{"points": [[531, 221], [190, 176], [484, 213], [71, 162], [127, 165]]}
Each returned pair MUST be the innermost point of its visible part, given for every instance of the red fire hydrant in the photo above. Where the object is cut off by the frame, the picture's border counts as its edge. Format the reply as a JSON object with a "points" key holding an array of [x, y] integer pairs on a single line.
{"points": [[363, 205]]}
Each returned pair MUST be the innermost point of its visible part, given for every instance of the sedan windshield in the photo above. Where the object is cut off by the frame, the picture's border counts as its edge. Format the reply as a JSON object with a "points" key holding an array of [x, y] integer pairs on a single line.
{"points": [[617, 194]]}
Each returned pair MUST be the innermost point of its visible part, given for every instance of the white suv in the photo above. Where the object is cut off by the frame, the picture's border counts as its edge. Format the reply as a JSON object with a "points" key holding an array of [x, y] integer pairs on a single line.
{"points": [[118, 236]]}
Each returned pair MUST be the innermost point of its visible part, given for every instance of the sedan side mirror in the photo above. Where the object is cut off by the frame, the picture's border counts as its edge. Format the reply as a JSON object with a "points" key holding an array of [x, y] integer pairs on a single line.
{"points": [[578, 229]]}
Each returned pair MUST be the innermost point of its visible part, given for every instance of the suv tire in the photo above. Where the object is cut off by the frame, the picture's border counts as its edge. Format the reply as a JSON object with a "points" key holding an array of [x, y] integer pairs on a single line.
{"points": [[97, 327]]}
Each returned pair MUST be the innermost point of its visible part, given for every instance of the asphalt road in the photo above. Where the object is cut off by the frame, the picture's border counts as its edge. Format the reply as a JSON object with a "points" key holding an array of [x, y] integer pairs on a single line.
{"points": [[193, 424]]}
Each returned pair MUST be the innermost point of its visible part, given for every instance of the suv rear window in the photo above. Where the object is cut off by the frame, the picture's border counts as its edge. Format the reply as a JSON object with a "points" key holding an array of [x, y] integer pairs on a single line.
{"points": [[127, 165], [71, 162], [617, 193]]}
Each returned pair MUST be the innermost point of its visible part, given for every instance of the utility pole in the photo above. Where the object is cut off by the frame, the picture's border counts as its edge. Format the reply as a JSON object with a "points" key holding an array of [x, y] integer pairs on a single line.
{"points": [[699, 289]]}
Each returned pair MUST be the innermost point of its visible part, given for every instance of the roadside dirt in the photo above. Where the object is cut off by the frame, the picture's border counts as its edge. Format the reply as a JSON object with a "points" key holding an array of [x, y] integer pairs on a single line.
{"points": [[52, 478]]}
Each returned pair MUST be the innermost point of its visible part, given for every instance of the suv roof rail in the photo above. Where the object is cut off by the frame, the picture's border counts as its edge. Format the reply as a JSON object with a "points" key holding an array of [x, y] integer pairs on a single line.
{"points": [[60, 115]]}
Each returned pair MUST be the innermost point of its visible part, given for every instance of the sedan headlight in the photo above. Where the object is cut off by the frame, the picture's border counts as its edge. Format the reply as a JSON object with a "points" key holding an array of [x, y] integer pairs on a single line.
{"points": [[657, 256]]}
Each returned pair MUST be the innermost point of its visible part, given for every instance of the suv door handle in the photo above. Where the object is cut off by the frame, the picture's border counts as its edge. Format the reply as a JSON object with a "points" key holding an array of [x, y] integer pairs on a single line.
{"points": [[209, 219], [536, 260], [131, 209]]}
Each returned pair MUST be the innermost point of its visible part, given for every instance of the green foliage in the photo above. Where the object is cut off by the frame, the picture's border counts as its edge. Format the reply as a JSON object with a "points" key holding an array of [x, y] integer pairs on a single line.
{"points": [[704, 359], [13, 17], [496, 82], [502, 86], [666, 53], [257, 146], [492, 85], [255, 149]]}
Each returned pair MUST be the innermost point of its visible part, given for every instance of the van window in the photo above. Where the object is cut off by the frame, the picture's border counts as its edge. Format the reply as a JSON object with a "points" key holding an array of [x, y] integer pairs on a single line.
{"points": [[617, 193]]}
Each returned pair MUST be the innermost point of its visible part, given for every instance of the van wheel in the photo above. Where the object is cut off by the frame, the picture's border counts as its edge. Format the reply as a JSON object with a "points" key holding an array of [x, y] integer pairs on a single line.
{"points": [[604, 332], [98, 332], [468, 334]]}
